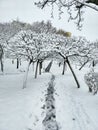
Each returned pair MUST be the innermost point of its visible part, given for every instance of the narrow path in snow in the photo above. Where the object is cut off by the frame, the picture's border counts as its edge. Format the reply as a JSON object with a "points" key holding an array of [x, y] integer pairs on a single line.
{"points": [[70, 112], [49, 121]]}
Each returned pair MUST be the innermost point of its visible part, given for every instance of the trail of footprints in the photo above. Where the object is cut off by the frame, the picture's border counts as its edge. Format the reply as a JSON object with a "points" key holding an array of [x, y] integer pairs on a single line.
{"points": [[49, 121], [81, 120]]}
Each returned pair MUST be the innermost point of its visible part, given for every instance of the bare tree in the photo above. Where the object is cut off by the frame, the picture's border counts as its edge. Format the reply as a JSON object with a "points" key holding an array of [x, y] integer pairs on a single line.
{"points": [[74, 7], [70, 48], [30, 46]]}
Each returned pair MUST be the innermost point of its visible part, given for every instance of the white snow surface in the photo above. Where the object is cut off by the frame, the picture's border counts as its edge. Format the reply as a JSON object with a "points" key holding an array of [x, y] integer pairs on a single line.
{"points": [[21, 109]]}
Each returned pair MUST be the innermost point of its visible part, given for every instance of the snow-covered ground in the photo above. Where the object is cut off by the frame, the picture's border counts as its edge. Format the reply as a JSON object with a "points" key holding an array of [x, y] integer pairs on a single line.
{"points": [[76, 109], [22, 109]]}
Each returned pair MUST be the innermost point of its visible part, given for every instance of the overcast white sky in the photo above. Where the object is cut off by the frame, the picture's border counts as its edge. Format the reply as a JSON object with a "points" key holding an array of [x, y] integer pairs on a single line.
{"points": [[26, 11]]}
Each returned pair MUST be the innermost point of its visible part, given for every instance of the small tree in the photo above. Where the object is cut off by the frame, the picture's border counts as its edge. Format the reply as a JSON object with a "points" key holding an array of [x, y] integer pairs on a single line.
{"points": [[71, 47], [20, 46], [30, 46]]}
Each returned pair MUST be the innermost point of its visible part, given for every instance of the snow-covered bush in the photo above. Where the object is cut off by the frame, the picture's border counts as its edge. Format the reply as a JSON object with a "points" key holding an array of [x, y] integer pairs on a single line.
{"points": [[91, 81]]}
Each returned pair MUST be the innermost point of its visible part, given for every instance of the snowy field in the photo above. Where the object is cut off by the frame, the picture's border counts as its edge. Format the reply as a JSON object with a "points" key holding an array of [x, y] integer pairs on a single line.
{"points": [[23, 109]]}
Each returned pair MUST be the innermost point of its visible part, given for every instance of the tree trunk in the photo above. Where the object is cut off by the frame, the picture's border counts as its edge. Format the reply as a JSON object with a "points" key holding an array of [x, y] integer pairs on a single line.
{"points": [[26, 75], [36, 69], [63, 72], [59, 64], [1, 58], [17, 63], [40, 67], [12, 61], [90, 90], [20, 62], [78, 85], [2, 66], [93, 63], [33, 66], [48, 67]]}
